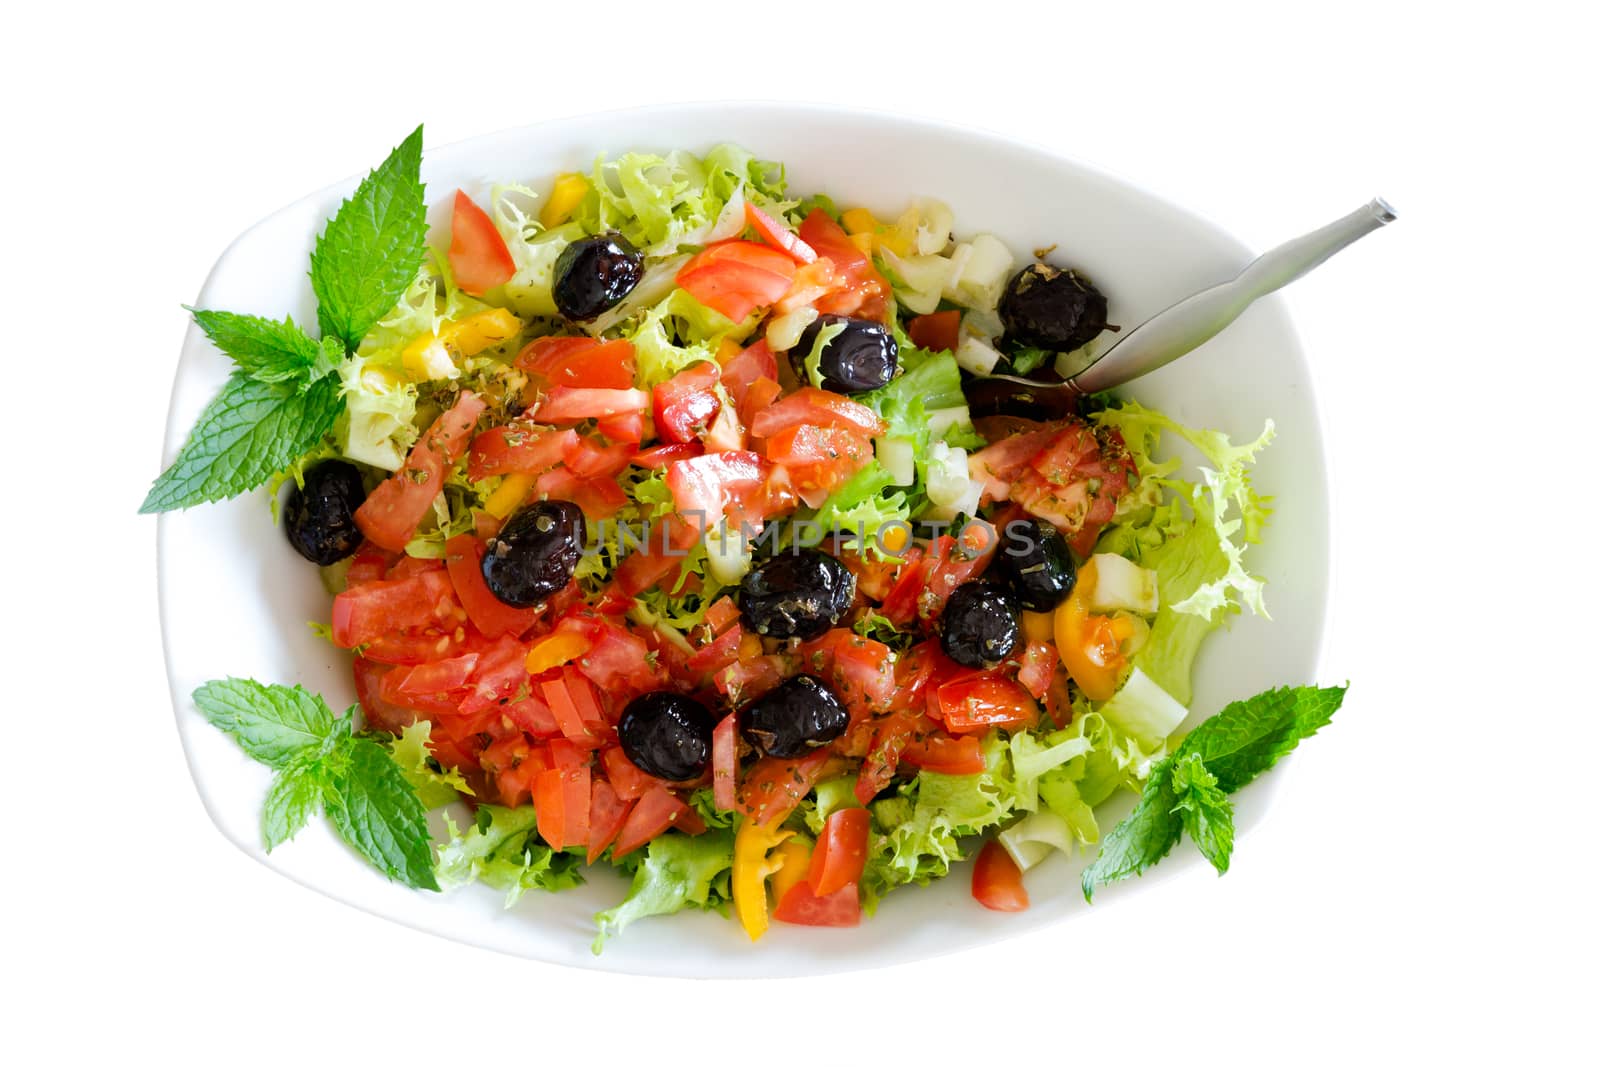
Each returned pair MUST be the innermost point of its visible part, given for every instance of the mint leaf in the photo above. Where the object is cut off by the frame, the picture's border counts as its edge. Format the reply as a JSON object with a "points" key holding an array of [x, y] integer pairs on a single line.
{"points": [[1141, 840], [1205, 809], [1223, 754], [372, 247], [1247, 737], [266, 350], [251, 431], [296, 792], [378, 814], [272, 723]]}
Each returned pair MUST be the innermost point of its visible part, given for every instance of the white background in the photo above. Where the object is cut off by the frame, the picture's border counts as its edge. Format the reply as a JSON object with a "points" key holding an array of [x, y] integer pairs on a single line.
{"points": [[1426, 882]]}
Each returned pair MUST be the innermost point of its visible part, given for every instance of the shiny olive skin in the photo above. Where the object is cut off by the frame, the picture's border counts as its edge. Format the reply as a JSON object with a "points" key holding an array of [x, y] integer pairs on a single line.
{"points": [[981, 624], [863, 356], [535, 552], [320, 519], [798, 716], [1036, 559], [593, 274], [667, 735], [796, 594], [1057, 310]]}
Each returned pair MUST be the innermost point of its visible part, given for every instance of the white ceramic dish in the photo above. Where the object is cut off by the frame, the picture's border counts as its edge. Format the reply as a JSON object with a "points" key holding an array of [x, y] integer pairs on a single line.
{"points": [[235, 599]]}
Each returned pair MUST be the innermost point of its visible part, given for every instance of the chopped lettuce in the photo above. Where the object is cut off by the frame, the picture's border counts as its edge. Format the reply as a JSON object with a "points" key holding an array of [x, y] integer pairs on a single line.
{"points": [[435, 786], [1197, 553], [661, 203], [672, 336], [861, 505], [931, 382], [502, 850], [677, 872]]}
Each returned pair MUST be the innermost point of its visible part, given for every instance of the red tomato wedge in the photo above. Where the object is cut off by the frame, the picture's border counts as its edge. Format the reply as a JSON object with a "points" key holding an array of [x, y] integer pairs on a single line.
{"points": [[374, 609], [685, 404], [654, 814], [479, 258], [706, 487], [863, 291], [816, 407], [975, 703], [566, 404], [741, 368], [1038, 667], [491, 615], [440, 675], [801, 906], [628, 780], [607, 813], [774, 787], [938, 332], [580, 362], [997, 880], [778, 235], [390, 514], [841, 852], [736, 277], [587, 459], [517, 448], [561, 800], [725, 763], [627, 428], [943, 755]]}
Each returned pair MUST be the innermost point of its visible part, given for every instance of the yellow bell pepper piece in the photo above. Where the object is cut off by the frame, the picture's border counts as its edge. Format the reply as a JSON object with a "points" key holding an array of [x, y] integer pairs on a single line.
{"points": [[1090, 645], [512, 491], [752, 866], [727, 348], [565, 196], [863, 241], [559, 648], [1038, 626], [750, 647], [795, 857], [894, 538], [858, 220], [433, 355]]}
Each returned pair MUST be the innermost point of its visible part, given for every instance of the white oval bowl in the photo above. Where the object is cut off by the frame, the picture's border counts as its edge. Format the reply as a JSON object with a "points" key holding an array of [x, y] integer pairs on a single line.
{"points": [[235, 599]]}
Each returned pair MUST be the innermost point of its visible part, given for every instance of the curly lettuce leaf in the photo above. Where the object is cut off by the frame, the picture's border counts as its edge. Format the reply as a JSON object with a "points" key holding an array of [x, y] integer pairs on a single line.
{"points": [[677, 872], [435, 786], [503, 851]]}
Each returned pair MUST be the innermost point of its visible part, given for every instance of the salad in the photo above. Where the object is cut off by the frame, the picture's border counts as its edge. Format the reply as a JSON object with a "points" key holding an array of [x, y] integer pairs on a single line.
{"points": [[662, 536]]}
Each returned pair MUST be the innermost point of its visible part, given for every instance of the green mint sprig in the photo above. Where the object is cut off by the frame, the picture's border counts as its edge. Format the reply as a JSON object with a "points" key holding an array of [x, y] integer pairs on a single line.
{"points": [[1188, 791], [365, 794], [284, 395]]}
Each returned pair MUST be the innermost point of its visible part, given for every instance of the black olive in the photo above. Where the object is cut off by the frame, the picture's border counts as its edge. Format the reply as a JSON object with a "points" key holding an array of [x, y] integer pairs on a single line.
{"points": [[1057, 310], [980, 626], [1036, 557], [593, 274], [796, 717], [535, 553], [862, 356], [1001, 396], [320, 519], [667, 735], [796, 594]]}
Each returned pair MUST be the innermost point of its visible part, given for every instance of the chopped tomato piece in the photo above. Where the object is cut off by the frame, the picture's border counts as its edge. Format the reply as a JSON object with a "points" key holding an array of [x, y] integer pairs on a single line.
{"points": [[607, 813], [763, 392], [1038, 667], [500, 674], [819, 459], [841, 852], [944, 755], [390, 514], [572, 703], [517, 448], [662, 553], [816, 407], [777, 234], [566, 404], [801, 906], [686, 403], [374, 609], [938, 332], [736, 277], [863, 291], [580, 362], [957, 560], [661, 455], [744, 366], [491, 615], [479, 258], [628, 780], [976, 702], [561, 800], [725, 763], [709, 659], [704, 488], [997, 880], [439, 676], [900, 603], [627, 428], [655, 813], [774, 787], [586, 458]]}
